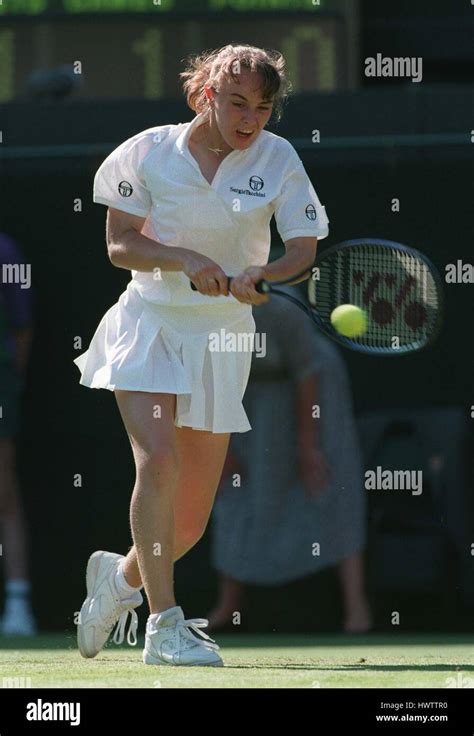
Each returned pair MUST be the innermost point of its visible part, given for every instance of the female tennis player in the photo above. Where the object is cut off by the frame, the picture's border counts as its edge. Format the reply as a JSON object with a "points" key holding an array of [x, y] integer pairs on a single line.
{"points": [[188, 202]]}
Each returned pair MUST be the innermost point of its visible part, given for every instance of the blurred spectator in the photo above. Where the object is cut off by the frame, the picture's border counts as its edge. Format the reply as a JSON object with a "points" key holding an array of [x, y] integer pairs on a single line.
{"points": [[300, 506], [15, 341]]}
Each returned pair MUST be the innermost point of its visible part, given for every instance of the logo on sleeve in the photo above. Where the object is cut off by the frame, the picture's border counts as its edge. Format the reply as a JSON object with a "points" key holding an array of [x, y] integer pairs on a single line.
{"points": [[310, 212], [125, 189]]}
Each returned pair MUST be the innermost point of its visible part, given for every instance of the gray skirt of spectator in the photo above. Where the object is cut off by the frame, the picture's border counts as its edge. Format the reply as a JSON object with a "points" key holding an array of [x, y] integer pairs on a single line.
{"points": [[266, 530]]}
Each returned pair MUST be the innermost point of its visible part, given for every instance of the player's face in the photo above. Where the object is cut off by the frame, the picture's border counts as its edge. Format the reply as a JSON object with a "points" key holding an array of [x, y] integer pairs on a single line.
{"points": [[240, 111]]}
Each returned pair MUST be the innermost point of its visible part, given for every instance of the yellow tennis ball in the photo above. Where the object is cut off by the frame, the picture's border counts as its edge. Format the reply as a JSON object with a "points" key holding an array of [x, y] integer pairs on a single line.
{"points": [[349, 320]]}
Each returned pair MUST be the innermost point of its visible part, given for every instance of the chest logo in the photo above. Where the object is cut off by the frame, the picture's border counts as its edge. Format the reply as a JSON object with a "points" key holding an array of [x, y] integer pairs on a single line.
{"points": [[256, 183], [125, 189], [310, 212]]}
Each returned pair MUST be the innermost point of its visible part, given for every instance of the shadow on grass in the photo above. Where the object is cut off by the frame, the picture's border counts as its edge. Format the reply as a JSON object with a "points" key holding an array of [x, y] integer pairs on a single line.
{"points": [[356, 667], [341, 640], [261, 641], [41, 641]]}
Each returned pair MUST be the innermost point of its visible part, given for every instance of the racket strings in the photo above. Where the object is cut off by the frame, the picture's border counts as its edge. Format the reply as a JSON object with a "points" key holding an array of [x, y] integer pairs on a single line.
{"points": [[395, 288]]}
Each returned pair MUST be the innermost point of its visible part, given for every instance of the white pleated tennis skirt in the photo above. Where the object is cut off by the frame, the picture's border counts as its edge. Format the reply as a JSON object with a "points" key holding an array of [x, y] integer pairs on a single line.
{"points": [[142, 346]]}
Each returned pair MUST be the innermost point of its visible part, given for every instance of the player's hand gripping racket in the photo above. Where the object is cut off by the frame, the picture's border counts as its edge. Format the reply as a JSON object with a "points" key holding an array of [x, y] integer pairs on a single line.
{"points": [[397, 287]]}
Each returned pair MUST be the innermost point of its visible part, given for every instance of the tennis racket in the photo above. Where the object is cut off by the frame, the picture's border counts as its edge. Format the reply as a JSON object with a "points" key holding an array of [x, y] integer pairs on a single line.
{"points": [[398, 288]]}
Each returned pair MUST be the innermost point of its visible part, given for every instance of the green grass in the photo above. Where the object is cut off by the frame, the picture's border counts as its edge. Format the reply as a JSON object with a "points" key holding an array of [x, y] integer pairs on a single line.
{"points": [[254, 661]]}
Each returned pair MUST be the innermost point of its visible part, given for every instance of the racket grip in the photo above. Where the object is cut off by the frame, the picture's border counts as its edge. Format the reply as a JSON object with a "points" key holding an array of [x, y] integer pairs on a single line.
{"points": [[194, 287], [260, 286]]}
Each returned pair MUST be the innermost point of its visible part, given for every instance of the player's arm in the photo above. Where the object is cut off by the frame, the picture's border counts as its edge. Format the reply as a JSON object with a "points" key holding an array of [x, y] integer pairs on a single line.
{"points": [[300, 254], [128, 248]]}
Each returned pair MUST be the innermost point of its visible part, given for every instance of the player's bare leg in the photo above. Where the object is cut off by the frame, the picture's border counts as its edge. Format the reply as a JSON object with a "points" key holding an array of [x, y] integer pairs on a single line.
{"points": [[149, 421], [177, 475], [202, 456], [178, 472]]}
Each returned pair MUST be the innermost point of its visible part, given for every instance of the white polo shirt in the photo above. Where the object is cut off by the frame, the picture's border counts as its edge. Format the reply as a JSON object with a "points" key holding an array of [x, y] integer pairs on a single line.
{"points": [[154, 175]]}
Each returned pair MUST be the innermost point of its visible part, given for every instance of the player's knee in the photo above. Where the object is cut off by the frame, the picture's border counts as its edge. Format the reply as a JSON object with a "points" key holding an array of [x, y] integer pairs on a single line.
{"points": [[160, 464]]}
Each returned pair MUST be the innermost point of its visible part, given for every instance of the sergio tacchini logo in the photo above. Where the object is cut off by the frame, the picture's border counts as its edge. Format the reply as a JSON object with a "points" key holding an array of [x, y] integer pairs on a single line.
{"points": [[125, 188], [256, 183]]}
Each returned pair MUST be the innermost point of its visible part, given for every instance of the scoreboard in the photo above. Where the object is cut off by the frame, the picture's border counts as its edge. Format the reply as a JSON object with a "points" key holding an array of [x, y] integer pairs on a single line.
{"points": [[135, 48]]}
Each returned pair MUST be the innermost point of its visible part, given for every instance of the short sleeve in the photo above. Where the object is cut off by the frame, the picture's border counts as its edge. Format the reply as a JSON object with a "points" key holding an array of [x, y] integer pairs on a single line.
{"points": [[298, 211], [118, 182]]}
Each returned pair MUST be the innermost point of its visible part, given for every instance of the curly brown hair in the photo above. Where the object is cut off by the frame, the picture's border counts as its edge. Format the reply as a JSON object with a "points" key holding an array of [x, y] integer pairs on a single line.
{"points": [[211, 66]]}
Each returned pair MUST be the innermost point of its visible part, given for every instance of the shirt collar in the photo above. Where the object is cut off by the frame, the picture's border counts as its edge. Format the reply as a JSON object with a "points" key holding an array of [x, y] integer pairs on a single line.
{"points": [[182, 140]]}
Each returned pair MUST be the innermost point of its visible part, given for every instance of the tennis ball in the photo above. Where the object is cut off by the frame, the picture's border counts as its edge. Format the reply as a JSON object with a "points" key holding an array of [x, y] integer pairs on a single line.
{"points": [[349, 320]]}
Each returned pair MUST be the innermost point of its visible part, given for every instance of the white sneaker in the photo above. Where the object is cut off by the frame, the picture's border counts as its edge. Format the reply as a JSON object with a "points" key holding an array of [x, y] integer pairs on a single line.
{"points": [[18, 621], [170, 640], [104, 606]]}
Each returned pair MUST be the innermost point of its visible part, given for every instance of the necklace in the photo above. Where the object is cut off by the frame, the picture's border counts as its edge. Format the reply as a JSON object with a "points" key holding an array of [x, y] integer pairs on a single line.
{"points": [[217, 151]]}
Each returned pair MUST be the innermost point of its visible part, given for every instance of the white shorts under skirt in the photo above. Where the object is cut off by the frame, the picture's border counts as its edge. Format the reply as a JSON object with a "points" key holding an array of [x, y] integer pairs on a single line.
{"points": [[141, 346]]}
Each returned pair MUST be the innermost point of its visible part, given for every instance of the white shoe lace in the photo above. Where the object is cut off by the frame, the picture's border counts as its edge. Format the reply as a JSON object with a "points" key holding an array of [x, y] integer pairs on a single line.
{"points": [[195, 624], [119, 634]]}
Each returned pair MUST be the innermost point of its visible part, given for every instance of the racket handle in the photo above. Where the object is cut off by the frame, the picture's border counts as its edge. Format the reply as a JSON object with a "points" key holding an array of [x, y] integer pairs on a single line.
{"points": [[263, 287], [194, 287], [260, 286]]}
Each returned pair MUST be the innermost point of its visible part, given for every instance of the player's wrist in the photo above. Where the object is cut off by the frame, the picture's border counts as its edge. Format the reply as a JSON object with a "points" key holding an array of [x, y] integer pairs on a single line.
{"points": [[182, 256], [267, 273]]}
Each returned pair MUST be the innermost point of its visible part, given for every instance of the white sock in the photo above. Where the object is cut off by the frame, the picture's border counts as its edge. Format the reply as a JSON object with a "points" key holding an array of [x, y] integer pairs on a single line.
{"points": [[121, 583], [153, 616]]}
